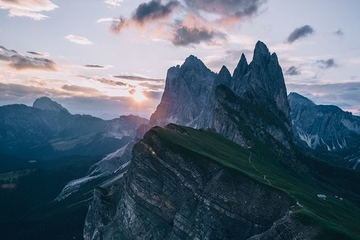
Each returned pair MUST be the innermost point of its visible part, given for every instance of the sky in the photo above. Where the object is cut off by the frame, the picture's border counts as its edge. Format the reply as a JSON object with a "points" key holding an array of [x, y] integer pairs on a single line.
{"points": [[109, 58]]}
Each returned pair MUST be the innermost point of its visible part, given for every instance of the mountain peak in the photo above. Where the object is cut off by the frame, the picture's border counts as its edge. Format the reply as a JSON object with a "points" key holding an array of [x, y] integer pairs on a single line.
{"points": [[192, 62], [45, 103], [261, 53], [241, 68], [223, 77]]}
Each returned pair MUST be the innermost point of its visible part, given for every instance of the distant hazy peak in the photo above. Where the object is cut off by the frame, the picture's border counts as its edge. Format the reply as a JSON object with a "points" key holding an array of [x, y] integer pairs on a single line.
{"points": [[45, 103]]}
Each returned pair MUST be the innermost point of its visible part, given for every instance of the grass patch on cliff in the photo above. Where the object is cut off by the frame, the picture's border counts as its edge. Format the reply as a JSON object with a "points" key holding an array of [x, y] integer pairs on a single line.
{"points": [[332, 217]]}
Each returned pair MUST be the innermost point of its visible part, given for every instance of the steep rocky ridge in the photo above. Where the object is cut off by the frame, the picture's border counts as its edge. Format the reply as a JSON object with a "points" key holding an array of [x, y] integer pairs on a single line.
{"points": [[179, 186], [173, 193], [326, 131]]}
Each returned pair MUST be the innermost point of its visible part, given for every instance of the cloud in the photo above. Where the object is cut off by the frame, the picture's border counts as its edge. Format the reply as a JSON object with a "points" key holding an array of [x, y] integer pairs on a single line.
{"points": [[27, 8], [153, 87], [113, 3], [339, 32], [153, 10], [117, 25], [153, 94], [292, 71], [326, 64], [17, 61], [93, 66], [184, 36], [35, 53], [80, 89], [300, 32], [194, 29], [137, 78], [143, 14], [105, 81], [226, 8], [196, 22], [78, 39]]}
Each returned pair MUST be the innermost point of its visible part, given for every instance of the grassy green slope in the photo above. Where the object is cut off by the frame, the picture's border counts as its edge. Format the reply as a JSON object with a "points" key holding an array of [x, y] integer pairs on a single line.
{"points": [[334, 218]]}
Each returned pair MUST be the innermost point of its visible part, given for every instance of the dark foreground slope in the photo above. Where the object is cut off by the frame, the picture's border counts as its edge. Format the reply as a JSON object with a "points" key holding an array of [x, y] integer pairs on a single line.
{"points": [[195, 184]]}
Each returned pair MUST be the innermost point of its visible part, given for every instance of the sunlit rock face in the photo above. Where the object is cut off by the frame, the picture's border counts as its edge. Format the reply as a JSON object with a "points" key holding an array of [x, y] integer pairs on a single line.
{"points": [[186, 93]]}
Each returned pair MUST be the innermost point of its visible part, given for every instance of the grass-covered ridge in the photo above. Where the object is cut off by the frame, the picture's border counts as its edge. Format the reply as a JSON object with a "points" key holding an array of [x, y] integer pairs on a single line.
{"points": [[334, 218]]}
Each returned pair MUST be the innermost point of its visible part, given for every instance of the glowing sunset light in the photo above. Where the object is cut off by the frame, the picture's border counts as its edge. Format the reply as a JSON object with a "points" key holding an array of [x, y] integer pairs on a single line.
{"points": [[138, 96]]}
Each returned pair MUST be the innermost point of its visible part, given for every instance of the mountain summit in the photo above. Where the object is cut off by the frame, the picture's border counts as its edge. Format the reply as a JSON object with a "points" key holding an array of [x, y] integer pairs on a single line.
{"points": [[253, 100], [45, 103]]}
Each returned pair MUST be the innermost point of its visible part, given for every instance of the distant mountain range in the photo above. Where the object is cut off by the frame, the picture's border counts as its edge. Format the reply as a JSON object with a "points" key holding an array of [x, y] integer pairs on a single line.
{"points": [[326, 131], [48, 130]]}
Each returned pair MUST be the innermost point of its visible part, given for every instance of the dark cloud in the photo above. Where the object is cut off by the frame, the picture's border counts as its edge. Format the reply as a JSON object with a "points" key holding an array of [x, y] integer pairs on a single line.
{"points": [[239, 8], [326, 64], [292, 71], [184, 36], [153, 10], [136, 78], [93, 66], [300, 32], [339, 32], [35, 53], [19, 62]]}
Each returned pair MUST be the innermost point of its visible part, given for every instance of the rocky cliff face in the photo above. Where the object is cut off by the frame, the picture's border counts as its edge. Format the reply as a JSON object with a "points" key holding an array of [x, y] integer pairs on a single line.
{"points": [[186, 93], [253, 98], [328, 132], [172, 193]]}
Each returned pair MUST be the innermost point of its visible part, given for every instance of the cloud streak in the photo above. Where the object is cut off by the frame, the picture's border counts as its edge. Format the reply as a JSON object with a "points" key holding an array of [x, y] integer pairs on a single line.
{"points": [[20, 62], [137, 78], [27, 8], [227, 8], [78, 39], [113, 3], [105, 81], [299, 33], [94, 66]]}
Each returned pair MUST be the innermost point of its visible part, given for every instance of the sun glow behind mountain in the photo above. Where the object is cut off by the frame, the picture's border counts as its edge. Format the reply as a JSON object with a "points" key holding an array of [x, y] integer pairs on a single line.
{"points": [[138, 96]]}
